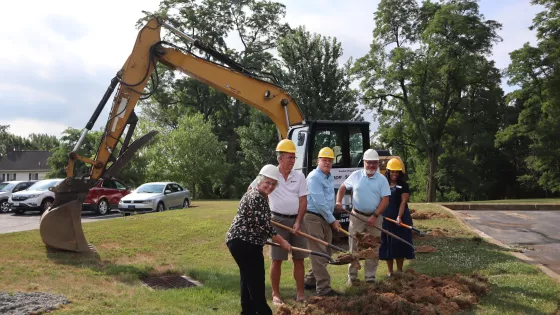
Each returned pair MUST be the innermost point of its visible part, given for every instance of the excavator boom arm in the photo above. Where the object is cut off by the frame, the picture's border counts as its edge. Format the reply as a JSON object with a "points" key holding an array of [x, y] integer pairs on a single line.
{"points": [[149, 50], [61, 225]]}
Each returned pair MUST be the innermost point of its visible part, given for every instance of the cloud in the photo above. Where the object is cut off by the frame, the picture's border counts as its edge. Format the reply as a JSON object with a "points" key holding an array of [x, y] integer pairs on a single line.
{"points": [[57, 62]]}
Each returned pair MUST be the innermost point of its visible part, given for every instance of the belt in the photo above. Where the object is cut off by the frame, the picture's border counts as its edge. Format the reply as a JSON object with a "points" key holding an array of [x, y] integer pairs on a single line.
{"points": [[362, 213], [317, 214], [289, 216]]}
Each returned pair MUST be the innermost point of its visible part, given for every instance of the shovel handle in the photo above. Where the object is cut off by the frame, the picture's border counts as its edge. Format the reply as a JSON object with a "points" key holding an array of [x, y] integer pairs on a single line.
{"points": [[405, 225], [320, 241], [306, 251], [380, 229]]}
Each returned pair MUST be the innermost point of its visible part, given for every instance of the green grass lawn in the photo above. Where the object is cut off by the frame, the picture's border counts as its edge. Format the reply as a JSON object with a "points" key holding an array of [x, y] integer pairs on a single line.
{"points": [[191, 242]]}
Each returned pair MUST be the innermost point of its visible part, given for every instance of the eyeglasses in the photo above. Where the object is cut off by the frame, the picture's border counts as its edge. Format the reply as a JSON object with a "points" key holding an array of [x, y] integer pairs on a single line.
{"points": [[372, 162]]}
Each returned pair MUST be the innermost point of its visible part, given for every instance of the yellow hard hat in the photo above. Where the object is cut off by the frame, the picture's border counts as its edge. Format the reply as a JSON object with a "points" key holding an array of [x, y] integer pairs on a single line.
{"points": [[326, 152], [286, 145], [394, 165]]}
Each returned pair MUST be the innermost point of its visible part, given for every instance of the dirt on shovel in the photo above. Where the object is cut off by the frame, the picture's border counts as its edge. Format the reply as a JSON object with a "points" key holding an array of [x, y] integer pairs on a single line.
{"points": [[403, 293]]}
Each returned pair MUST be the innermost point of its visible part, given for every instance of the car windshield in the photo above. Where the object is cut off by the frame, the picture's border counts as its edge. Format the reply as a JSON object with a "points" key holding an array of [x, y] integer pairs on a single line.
{"points": [[7, 186], [44, 184], [151, 188]]}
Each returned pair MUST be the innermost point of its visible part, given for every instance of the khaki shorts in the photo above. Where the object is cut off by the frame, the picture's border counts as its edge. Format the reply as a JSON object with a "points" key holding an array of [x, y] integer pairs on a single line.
{"points": [[277, 253]]}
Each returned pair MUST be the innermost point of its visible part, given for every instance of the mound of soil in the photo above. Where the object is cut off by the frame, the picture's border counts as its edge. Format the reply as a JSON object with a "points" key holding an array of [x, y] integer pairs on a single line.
{"points": [[403, 293], [366, 241], [428, 215]]}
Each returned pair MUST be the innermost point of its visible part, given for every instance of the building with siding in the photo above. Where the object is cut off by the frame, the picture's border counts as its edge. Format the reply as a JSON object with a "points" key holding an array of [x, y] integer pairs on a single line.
{"points": [[24, 165]]}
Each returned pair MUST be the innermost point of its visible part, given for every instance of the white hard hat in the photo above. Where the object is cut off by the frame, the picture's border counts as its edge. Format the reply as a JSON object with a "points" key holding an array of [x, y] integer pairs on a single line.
{"points": [[270, 171], [371, 155]]}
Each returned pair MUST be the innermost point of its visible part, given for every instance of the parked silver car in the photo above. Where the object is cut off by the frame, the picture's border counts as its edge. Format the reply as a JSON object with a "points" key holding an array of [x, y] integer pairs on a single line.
{"points": [[156, 196], [6, 190]]}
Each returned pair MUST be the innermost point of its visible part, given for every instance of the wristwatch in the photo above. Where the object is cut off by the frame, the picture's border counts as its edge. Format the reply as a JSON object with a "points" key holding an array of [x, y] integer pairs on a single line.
{"points": [[375, 215]]}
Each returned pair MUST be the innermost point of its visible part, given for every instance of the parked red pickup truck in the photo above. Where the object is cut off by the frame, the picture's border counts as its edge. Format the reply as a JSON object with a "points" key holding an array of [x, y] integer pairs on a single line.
{"points": [[105, 196]]}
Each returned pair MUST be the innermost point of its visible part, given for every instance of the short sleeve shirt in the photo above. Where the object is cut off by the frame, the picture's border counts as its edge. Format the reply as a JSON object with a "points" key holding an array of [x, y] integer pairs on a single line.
{"points": [[285, 197], [367, 192]]}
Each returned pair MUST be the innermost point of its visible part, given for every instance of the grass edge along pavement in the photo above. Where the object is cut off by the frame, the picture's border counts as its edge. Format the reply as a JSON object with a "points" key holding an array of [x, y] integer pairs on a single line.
{"points": [[191, 242], [515, 253]]}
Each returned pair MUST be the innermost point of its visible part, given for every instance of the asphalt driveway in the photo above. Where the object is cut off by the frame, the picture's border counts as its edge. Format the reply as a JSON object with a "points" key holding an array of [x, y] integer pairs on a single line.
{"points": [[536, 233], [9, 222]]}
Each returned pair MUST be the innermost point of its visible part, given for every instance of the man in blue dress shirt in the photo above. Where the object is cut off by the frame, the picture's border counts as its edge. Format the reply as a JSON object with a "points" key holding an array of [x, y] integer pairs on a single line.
{"points": [[370, 197], [320, 221]]}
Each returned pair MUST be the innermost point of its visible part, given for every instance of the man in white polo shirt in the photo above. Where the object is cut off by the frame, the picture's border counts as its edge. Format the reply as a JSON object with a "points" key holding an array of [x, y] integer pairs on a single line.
{"points": [[288, 203], [370, 197]]}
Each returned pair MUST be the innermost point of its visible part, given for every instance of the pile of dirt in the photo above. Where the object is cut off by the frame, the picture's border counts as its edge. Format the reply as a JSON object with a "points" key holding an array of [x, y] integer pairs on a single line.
{"points": [[366, 241], [402, 293], [428, 215]]}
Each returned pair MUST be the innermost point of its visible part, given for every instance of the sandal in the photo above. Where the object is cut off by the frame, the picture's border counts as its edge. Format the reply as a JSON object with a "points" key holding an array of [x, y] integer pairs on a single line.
{"points": [[277, 301]]}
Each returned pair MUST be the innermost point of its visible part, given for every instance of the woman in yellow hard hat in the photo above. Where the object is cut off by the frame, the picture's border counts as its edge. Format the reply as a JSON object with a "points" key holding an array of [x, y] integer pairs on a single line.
{"points": [[393, 249]]}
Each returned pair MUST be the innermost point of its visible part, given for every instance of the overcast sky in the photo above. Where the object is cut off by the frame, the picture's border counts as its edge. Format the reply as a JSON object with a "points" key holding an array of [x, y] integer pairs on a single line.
{"points": [[58, 57]]}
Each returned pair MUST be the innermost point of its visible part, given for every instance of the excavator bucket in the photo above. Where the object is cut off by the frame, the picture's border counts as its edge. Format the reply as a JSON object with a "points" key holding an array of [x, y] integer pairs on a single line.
{"points": [[61, 224]]}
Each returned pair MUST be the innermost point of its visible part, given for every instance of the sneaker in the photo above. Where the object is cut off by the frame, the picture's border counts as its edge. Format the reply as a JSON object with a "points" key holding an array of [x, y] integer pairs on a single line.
{"points": [[309, 287], [370, 280]]}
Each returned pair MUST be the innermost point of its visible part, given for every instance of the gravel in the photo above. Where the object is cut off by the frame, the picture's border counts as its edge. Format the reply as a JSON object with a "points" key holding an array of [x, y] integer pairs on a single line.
{"points": [[30, 303]]}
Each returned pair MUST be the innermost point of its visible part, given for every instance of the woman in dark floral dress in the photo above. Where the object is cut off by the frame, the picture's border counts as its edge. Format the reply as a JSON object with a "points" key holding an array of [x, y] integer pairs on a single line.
{"points": [[250, 230]]}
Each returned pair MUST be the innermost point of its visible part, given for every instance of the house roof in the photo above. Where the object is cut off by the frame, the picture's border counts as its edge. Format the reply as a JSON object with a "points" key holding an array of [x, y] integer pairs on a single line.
{"points": [[25, 160]]}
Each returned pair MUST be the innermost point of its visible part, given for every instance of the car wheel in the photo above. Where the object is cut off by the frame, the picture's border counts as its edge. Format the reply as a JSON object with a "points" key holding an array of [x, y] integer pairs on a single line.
{"points": [[4, 206], [160, 207], [186, 203], [46, 204], [103, 207]]}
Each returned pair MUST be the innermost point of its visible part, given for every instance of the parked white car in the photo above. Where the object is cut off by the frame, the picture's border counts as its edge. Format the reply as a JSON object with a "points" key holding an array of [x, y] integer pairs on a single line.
{"points": [[156, 196], [37, 197], [10, 187]]}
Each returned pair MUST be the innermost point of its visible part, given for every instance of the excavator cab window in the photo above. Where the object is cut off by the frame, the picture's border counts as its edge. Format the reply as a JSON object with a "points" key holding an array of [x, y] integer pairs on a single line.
{"points": [[332, 139], [348, 140]]}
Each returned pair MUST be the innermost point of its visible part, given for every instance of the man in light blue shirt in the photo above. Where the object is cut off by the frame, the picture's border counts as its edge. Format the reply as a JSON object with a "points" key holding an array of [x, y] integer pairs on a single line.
{"points": [[320, 221], [370, 197]]}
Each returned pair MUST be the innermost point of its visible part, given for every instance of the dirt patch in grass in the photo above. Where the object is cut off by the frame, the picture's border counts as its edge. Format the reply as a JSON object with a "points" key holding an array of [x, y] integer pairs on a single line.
{"points": [[403, 293], [428, 215]]}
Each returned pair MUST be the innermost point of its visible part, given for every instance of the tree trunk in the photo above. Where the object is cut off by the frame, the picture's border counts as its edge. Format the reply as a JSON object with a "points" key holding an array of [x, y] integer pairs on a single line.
{"points": [[432, 169]]}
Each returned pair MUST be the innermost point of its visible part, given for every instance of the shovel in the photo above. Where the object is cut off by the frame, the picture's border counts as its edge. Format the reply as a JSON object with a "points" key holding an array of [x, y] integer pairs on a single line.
{"points": [[331, 260], [380, 229], [347, 233], [340, 249], [406, 226]]}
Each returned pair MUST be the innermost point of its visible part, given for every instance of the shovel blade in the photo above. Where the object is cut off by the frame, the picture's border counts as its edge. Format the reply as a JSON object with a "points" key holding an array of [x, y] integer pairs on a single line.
{"points": [[61, 225]]}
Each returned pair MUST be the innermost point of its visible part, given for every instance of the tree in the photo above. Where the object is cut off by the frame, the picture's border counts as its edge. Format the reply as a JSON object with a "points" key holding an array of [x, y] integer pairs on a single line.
{"points": [[190, 154], [537, 71], [59, 158], [42, 141], [311, 73], [423, 66]]}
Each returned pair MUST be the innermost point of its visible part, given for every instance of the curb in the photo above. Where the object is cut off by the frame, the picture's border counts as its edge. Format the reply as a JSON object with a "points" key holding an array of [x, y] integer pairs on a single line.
{"points": [[502, 206], [494, 241]]}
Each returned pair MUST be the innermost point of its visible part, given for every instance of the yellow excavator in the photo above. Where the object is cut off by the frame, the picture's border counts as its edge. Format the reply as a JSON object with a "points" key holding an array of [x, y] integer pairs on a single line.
{"points": [[61, 226]]}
